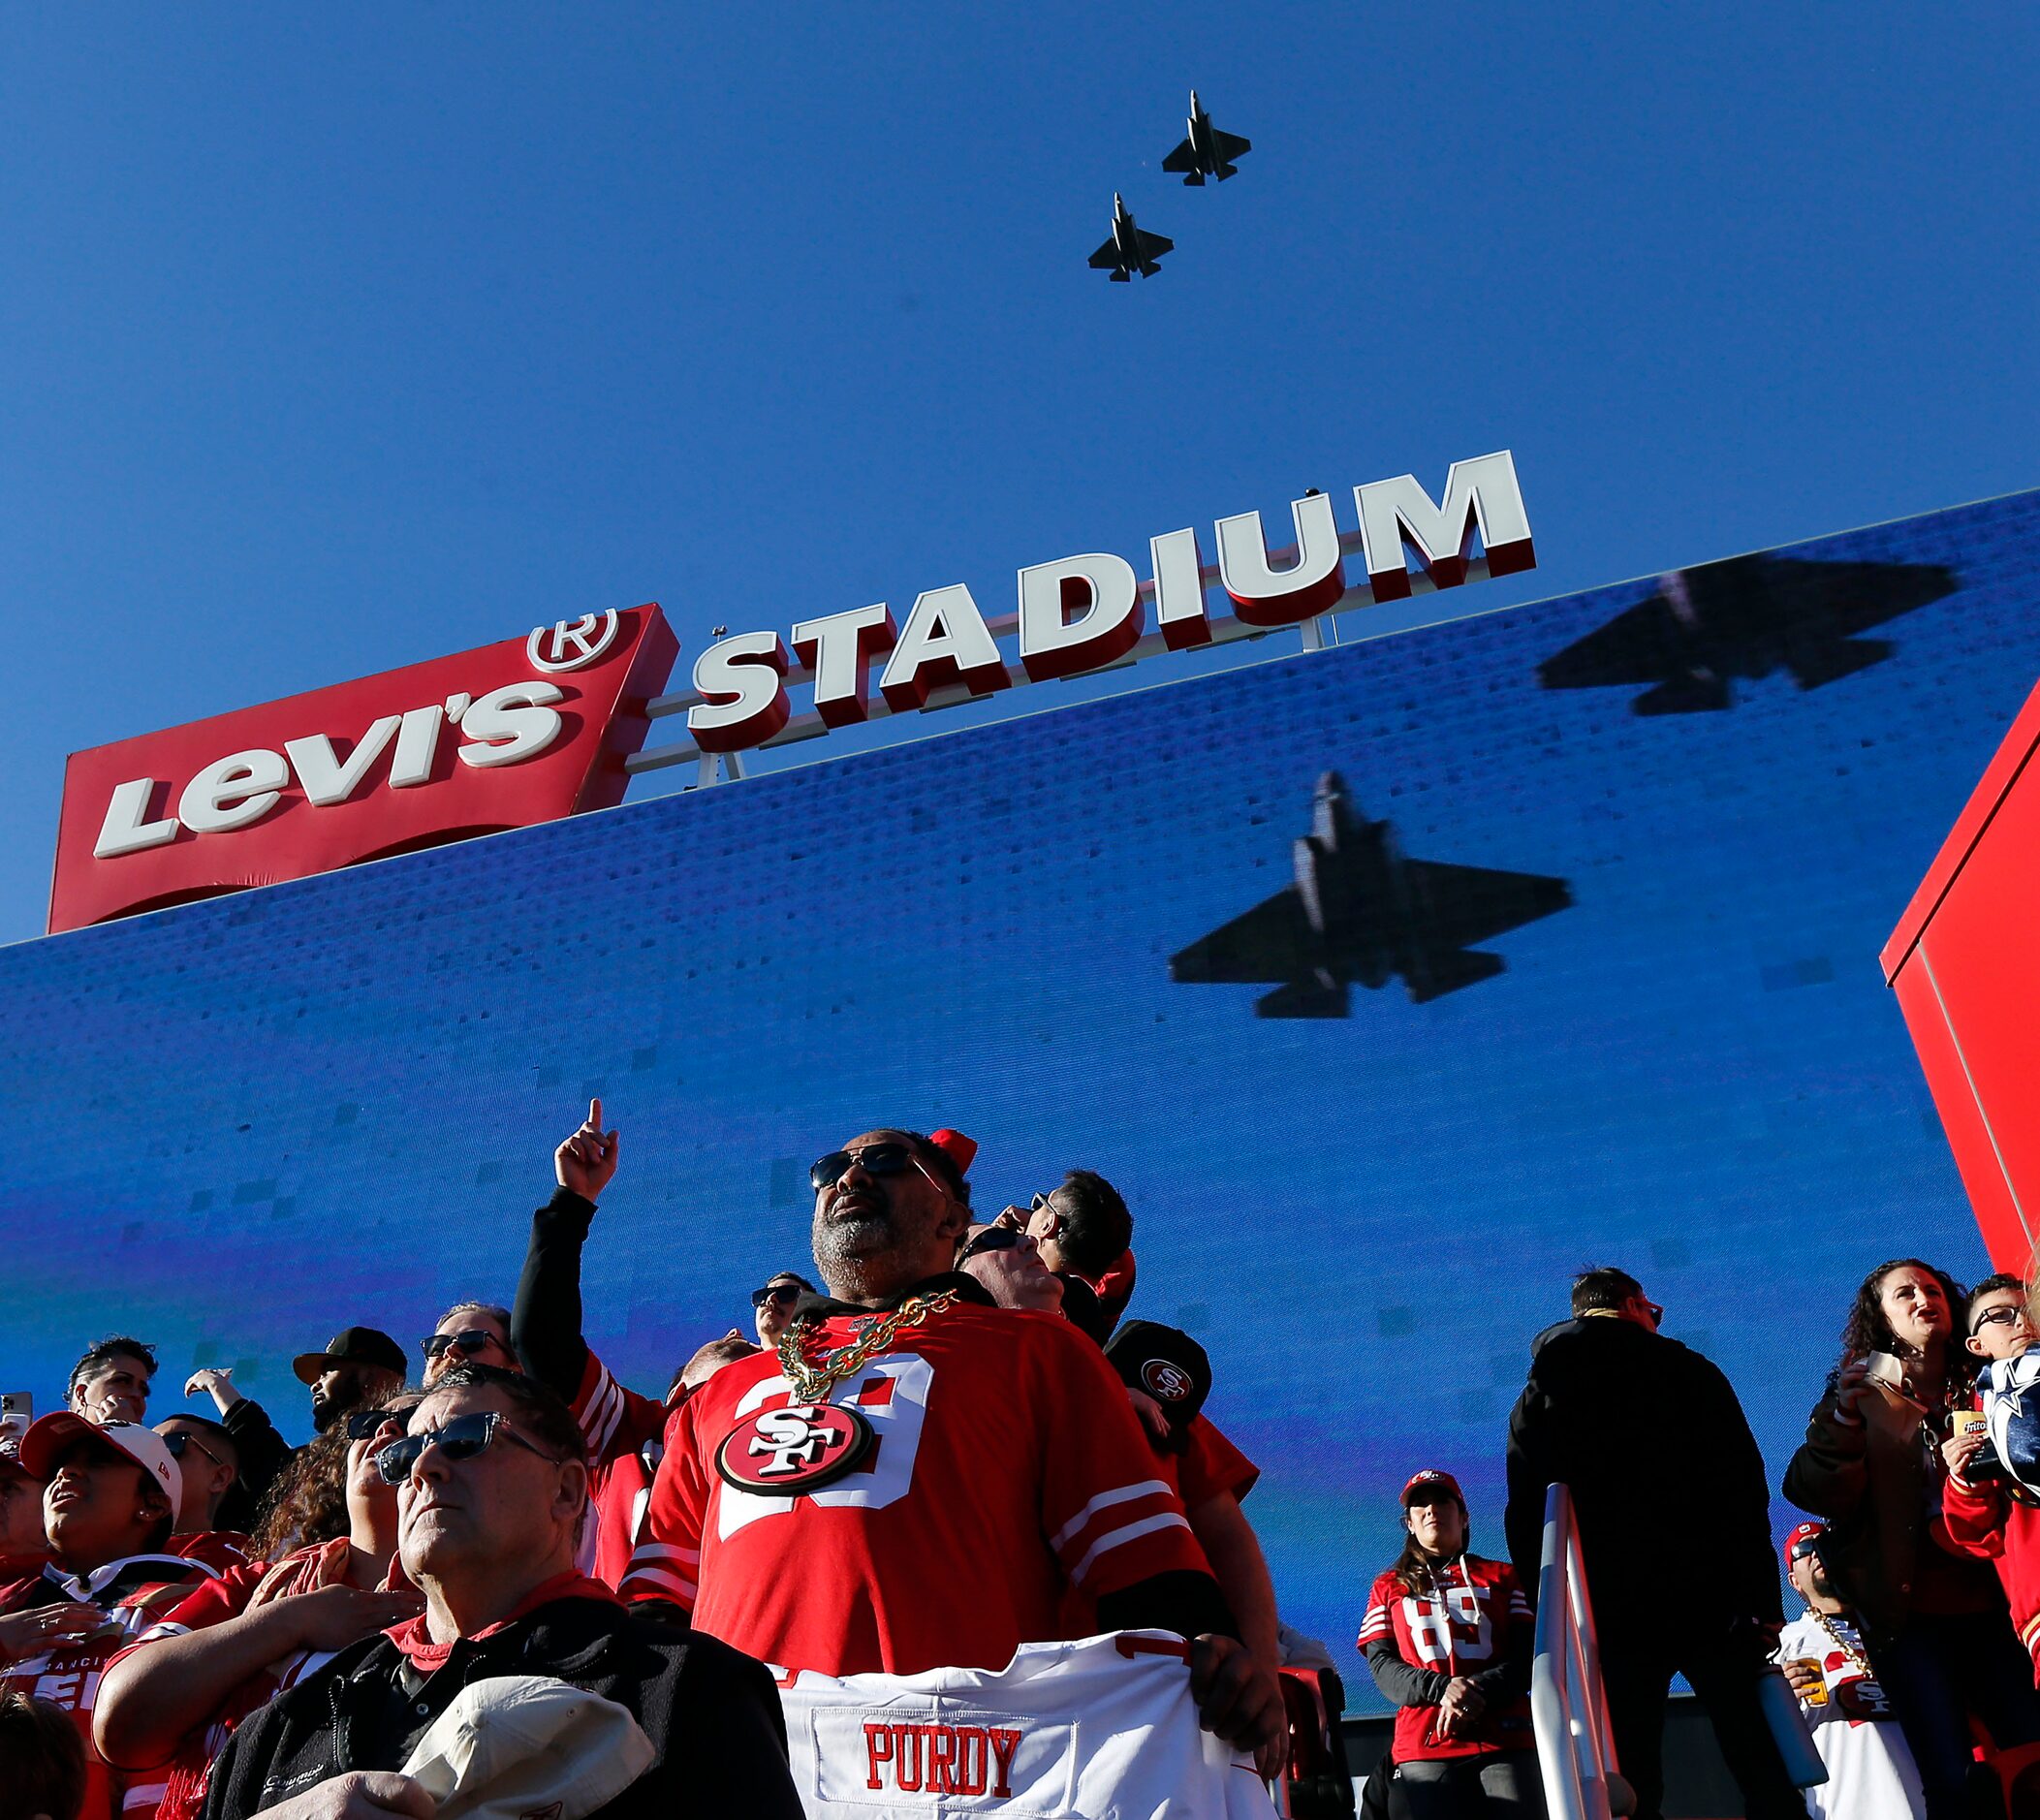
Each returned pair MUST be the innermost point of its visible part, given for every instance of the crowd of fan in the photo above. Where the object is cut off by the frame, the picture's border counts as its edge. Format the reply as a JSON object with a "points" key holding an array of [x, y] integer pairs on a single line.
{"points": [[198, 1618]]}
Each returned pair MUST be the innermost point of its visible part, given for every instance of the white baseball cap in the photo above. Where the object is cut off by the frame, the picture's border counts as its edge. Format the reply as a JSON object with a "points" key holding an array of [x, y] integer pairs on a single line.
{"points": [[520, 1747], [49, 1435]]}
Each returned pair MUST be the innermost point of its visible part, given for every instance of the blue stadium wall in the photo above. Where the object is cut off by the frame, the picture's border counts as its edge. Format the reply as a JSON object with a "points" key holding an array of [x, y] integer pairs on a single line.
{"points": [[237, 1126]]}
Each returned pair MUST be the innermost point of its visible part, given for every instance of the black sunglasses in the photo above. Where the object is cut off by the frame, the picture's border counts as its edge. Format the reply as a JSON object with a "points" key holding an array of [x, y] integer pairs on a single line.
{"points": [[787, 1293], [178, 1440], [462, 1438], [2002, 1315], [470, 1340], [875, 1159], [991, 1239], [363, 1423]]}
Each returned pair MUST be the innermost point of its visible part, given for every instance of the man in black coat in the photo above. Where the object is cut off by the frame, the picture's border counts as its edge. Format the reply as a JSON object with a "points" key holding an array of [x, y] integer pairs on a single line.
{"points": [[1674, 1529], [494, 1486]]}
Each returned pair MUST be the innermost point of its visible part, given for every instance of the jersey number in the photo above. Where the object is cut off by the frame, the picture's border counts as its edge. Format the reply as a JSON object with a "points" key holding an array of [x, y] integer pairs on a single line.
{"points": [[1456, 1626], [893, 1395]]}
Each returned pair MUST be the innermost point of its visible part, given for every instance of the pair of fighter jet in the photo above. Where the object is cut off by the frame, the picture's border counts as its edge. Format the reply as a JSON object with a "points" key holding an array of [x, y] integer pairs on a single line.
{"points": [[1206, 152]]}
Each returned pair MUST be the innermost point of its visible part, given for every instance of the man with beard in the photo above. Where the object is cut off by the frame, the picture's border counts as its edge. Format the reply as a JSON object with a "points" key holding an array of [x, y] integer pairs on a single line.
{"points": [[360, 1369], [918, 1475], [1870, 1773]]}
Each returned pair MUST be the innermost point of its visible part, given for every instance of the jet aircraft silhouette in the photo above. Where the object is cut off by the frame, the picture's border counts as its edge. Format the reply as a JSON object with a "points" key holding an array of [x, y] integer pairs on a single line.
{"points": [[1359, 912], [1207, 152], [1130, 250], [1746, 618]]}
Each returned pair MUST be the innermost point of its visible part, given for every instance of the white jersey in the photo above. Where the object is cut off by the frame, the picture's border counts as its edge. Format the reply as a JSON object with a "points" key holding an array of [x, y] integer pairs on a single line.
{"points": [[1870, 1773], [1104, 1728]]}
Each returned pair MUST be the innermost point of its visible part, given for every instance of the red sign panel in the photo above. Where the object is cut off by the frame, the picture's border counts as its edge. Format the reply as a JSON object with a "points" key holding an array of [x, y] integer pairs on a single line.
{"points": [[502, 736]]}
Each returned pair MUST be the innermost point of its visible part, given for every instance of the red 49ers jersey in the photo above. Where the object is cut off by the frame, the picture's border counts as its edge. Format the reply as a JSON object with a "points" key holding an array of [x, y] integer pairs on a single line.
{"points": [[1461, 1625], [623, 1432], [1007, 1463]]}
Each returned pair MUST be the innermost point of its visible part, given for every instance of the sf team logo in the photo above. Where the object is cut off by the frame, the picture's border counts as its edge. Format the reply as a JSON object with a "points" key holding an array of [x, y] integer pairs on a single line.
{"points": [[1167, 1381], [793, 1450]]}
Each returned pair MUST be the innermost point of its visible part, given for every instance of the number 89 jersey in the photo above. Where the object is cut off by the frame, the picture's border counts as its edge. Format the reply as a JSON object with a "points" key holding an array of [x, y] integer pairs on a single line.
{"points": [[929, 1514], [1462, 1624]]}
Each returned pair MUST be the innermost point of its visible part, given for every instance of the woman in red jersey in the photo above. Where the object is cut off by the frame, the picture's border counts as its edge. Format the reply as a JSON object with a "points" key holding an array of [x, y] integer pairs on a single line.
{"points": [[1448, 1639]]}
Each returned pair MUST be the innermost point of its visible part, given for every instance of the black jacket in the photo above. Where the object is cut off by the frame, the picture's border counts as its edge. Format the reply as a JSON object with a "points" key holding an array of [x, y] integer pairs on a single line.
{"points": [[1667, 1481], [262, 1453], [545, 1322], [712, 1714]]}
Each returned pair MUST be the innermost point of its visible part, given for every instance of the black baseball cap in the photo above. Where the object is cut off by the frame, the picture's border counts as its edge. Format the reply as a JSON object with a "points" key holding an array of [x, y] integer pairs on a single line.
{"points": [[352, 1345], [1167, 1364]]}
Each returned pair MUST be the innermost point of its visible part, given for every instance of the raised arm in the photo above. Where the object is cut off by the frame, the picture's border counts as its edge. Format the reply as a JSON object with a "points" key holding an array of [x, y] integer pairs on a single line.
{"points": [[544, 1324]]}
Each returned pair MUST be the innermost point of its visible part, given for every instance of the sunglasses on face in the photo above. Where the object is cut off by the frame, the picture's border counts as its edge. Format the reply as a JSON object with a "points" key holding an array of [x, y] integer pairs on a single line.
{"points": [[785, 1294], [361, 1423], [875, 1159], [178, 1440], [462, 1438], [470, 1340], [1999, 1317], [991, 1239]]}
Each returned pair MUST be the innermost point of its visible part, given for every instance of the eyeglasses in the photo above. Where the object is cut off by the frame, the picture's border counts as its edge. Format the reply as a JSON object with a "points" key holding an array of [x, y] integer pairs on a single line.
{"points": [[875, 1159], [180, 1439], [462, 1438], [364, 1422], [991, 1239], [2001, 1316], [1657, 1311], [470, 1340], [786, 1294], [1804, 1546]]}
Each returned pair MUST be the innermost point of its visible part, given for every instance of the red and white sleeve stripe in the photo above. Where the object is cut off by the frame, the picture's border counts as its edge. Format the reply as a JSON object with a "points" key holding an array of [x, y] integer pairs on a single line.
{"points": [[1375, 1626], [599, 1407], [662, 1570], [1113, 1518]]}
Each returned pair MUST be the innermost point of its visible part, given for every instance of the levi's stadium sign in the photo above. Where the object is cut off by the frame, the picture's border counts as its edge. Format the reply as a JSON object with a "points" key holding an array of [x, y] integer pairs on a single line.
{"points": [[511, 734], [552, 724]]}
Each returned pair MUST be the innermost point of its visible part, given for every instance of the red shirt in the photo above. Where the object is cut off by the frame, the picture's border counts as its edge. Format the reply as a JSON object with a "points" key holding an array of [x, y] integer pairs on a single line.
{"points": [[182, 1781], [132, 1594], [1462, 1625], [624, 1433], [1985, 1521], [1008, 1463]]}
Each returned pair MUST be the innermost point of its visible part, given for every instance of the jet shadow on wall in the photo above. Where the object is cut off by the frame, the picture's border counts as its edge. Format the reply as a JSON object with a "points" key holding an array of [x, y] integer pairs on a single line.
{"points": [[1744, 618], [1360, 913]]}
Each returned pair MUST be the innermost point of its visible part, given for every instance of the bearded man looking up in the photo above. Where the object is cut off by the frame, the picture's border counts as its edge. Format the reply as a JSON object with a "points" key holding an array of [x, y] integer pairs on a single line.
{"points": [[902, 1487]]}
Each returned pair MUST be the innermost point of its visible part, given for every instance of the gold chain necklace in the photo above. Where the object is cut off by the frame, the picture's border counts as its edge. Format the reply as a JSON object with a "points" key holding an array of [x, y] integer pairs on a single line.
{"points": [[813, 1379], [1850, 1651]]}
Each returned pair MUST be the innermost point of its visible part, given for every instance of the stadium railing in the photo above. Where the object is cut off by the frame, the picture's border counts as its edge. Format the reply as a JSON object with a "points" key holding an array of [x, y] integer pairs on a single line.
{"points": [[1568, 1704]]}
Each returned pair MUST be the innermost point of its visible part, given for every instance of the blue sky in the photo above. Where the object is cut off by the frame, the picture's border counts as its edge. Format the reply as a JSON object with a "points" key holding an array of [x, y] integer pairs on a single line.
{"points": [[330, 342]]}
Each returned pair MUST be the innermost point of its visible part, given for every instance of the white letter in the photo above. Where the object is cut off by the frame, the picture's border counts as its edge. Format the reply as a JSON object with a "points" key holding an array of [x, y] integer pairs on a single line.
{"points": [[234, 792], [326, 780], [944, 642], [743, 684], [1105, 595], [1263, 596], [510, 724], [1180, 590], [839, 649], [124, 831], [417, 746], [1482, 491]]}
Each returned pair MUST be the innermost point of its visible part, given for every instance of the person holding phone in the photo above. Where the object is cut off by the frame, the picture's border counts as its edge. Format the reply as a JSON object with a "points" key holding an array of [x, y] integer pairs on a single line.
{"points": [[1447, 1637], [1935, 1618]]}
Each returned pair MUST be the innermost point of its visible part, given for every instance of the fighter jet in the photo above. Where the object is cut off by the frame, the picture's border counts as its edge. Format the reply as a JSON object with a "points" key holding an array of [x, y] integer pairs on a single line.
{"points": [[1207, 152], [1359, 912], [1130, 250], [1746, 618]]}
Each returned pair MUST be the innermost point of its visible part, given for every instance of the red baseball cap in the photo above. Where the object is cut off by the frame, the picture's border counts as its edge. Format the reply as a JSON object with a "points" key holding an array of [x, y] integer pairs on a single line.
{"points": [[1796, 1542], [1430, 1480], [49, 1435]]}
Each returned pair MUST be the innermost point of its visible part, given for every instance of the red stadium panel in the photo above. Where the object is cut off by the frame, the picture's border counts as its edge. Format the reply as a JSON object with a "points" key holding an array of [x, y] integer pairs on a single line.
{"points": [[1966, 970]]}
